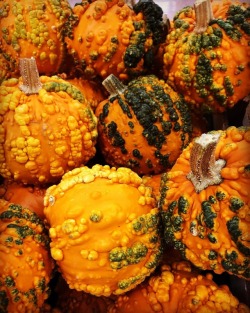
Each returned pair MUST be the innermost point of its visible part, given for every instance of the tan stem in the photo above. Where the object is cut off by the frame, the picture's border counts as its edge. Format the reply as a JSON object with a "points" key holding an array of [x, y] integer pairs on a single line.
{"points": [[203, 15], [30, 75], [205, 169], [113, 85]]}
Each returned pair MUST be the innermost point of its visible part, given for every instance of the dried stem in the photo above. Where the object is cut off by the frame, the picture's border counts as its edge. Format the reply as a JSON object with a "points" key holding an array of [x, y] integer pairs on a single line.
{"points": [[30, 75], [203, 14], [205, 169], [113, 85]]}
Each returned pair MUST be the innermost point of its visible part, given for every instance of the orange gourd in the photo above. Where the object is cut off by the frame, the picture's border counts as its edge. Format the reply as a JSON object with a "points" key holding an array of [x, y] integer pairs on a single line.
{"points": [[36, 29], [110, 37], [143, 126], [47, 127], [206, 56], [205, 202], [25, 262], [104, 229], [178, 288]]}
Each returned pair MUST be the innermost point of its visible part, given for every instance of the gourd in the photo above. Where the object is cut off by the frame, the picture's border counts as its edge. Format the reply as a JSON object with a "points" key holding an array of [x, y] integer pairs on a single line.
{"points": [[104, 229], [178, 288], [205, 202], [25, 263], [111, 37], [47, 127], [28, 196], [34, 28], [206, 56], [143, 126]]}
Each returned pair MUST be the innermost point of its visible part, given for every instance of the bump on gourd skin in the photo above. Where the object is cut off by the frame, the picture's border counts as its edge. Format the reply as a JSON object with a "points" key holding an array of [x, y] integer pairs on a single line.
{"points": [[211, 69], [43, 135], [177, 288], [145, 128], [111, 37], [211, 227], [34, 28], [105, 237], [26, 265]]}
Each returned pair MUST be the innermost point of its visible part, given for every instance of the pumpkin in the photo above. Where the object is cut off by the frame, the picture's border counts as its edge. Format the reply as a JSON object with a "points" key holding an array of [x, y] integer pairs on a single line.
{"points": [[178, 289], [206, 56], [28, 196], [104, 229], [205, 202], [143, 126], [110, 37], [34, 29], [47, 127], [25, 263]]}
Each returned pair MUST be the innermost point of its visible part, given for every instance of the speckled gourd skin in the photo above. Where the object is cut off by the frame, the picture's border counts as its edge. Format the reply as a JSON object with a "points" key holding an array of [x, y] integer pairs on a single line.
{"points": [[25, 262], [211, 69], [144, 128], [211, 227], [111, 37], [104, 229], [178, 289], [43, 135], [34, 28]]}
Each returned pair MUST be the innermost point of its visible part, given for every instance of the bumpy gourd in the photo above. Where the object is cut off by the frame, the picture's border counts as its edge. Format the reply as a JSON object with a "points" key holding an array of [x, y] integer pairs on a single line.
{"points": [[34, 28], [28, 196], [25, 262], [47, 127], [104, 229], [205, 202], [144, 125], [207, 54], [111, 37], [178, 289]]}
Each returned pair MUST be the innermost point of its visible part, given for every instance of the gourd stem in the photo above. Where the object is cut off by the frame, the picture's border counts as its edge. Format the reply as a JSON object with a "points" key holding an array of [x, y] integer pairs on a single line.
{"points": [[113, 85], [30, 75], [203, 14], [205, 169]]}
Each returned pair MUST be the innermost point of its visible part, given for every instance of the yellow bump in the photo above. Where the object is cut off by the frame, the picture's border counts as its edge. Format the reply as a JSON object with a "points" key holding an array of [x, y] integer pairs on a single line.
{"points": [[93, 255], [56, 254], [52, 233], [84, 253]]}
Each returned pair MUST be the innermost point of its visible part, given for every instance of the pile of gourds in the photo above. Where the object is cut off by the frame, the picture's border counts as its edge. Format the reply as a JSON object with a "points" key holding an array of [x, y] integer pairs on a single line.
{"points": [[125, 181]]}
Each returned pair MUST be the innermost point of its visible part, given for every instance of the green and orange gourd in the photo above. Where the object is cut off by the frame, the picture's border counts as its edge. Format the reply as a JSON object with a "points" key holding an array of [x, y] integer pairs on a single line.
{"points": [[33, 28], [206, 56], [111, 37], [178, 288], [47, 127], [104, 229], [143, 125], [25, 263], [205, 202]]}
